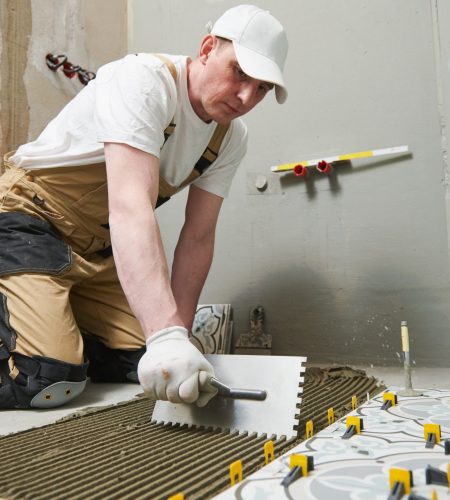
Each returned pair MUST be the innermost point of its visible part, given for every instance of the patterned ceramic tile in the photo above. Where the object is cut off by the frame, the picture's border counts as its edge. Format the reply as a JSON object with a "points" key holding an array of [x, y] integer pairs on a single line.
{"points": [[358, 468], [212, 328]]}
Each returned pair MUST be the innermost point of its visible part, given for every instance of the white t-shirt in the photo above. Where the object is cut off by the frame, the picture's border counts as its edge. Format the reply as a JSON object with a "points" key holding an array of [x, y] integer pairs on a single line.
{"points": [[132, 101]]}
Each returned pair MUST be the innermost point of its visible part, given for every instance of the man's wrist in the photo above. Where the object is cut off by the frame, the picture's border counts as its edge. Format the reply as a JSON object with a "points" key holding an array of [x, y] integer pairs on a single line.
{"points": [[182, 332]]}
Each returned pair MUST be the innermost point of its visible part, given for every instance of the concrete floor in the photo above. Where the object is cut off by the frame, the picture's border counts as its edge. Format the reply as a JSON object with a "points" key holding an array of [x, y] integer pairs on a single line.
{"points": [[97, 395], [94, 395], [424, 378]]}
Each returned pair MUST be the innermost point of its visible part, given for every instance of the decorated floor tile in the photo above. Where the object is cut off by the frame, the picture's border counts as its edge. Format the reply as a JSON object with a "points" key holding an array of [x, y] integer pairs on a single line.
{"points": [[358, 468]]}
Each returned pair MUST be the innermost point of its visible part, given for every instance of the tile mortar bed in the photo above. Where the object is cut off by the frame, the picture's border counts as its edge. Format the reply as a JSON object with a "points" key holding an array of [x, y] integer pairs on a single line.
{"points": [[115, 451]]}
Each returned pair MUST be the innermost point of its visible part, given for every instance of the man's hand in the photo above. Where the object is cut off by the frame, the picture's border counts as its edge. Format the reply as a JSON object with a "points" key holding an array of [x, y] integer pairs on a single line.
{"points": [[174, 370]]}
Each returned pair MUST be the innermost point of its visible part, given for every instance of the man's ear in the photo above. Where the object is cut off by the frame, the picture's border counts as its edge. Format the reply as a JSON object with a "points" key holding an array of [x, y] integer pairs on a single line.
{"points": [[206, 46]]}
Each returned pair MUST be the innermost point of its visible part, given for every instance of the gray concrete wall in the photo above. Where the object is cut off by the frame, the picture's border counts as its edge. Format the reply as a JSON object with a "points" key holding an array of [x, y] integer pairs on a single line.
{"points": [[337, 262]]}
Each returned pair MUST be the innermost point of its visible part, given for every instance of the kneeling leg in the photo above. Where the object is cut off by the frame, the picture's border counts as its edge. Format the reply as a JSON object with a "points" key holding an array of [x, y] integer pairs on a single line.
{"points": [[39, 382]]}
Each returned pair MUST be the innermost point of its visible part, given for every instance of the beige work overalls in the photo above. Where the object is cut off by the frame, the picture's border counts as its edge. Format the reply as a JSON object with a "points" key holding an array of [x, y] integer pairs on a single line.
{"points": [[52, 284], [66, 287], [57, 272]]}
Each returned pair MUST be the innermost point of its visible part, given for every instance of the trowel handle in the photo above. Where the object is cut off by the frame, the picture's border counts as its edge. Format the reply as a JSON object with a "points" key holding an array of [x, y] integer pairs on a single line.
{"points": [[231, 392]]}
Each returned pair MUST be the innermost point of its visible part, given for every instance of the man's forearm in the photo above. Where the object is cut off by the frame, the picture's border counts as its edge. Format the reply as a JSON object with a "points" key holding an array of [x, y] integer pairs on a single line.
{"points": [[142, 269], [192, 261]]}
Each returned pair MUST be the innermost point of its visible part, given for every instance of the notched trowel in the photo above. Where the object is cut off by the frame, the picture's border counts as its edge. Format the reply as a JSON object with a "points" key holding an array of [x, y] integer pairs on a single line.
{"points": [[267, 400]]}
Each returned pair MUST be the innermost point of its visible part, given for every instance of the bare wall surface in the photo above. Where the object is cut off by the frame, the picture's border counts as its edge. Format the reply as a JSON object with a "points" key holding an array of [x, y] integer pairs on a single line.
{"points": [[338, 262], [90, 33], [15, 29], [441, 12]]}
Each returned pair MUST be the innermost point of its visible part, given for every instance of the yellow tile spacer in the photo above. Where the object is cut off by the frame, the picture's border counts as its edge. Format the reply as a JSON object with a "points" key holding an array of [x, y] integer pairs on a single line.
{"points": [[434, 495], [330, 416], [354, 402], [400, 476], [356, 421], [432, 429], [301, 461], [178, 496], [309, 429], [390, 396], [269, 453], [236, 472]]}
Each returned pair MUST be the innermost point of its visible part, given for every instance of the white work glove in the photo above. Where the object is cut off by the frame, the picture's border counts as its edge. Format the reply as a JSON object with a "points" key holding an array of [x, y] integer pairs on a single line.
{"points": [[172, 369]]}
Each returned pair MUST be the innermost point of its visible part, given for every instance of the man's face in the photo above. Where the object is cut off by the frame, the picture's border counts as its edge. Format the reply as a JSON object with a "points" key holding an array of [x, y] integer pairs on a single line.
{"points": [[225, 91]]}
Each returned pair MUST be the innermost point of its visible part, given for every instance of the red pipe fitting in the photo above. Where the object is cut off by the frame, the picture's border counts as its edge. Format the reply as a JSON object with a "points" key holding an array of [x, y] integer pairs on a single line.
{"points": [[324, 167], [300, 171], [55, 62], [70, 70]]}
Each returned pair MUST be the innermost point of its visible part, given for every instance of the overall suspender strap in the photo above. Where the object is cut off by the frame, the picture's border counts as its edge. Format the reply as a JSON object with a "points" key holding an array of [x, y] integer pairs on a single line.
{"points": [[170, 129], [170, 65], [212, 149], [207, 158]]}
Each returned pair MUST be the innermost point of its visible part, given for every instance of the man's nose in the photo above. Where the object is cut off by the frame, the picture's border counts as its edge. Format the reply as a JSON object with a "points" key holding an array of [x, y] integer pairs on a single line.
{"points": [[246, 93]]}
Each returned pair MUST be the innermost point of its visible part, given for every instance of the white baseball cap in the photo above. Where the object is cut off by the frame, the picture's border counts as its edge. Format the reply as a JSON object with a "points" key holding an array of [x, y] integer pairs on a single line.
{"points": [[260, 44]]}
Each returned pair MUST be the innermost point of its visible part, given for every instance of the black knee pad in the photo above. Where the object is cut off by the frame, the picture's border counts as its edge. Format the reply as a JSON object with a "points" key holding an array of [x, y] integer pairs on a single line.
{"points": [[41, 383], [111, 365]]}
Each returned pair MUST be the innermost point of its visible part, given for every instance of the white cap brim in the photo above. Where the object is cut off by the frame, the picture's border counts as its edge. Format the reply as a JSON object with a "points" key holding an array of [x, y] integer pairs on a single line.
{"points": [[262, 68]]}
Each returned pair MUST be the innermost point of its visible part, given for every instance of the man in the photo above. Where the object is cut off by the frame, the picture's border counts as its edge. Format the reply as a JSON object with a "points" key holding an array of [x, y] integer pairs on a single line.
{"points": [[87, 188]]}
